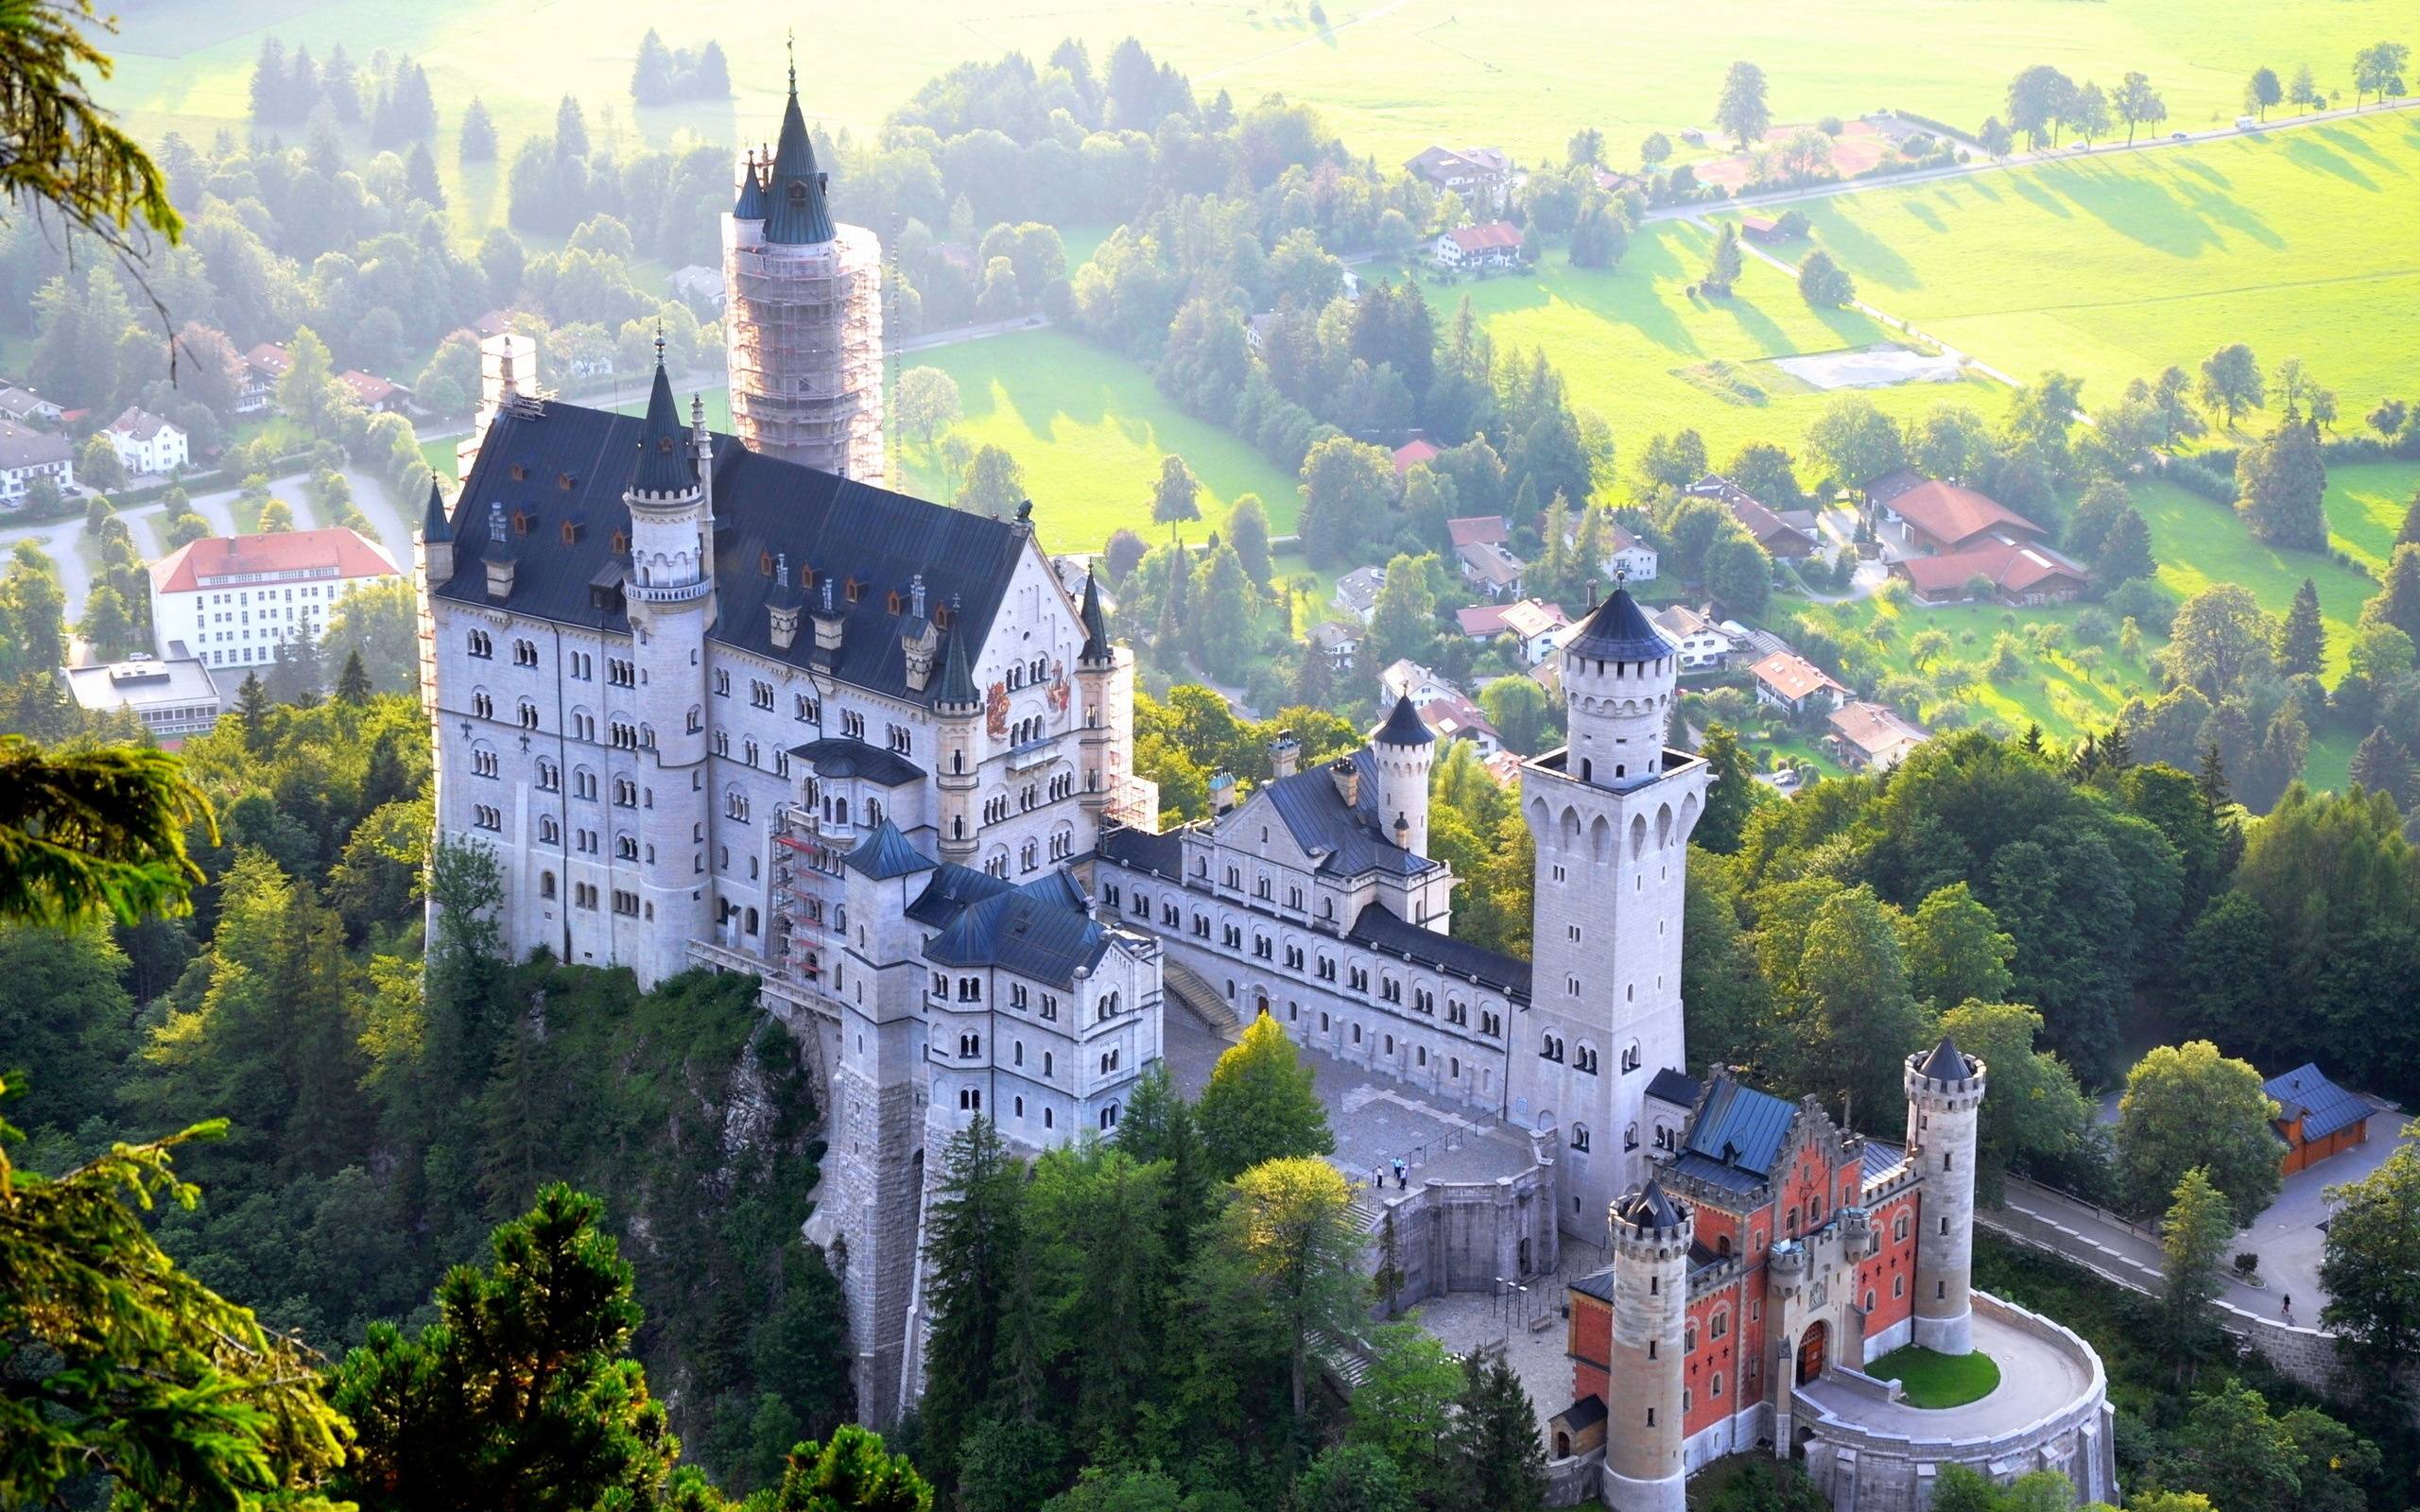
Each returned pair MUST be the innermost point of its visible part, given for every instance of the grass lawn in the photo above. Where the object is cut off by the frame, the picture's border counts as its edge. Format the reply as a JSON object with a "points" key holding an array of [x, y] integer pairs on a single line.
{"points": [[2113, 266], [2198, 543], [1635, 347], [1933, 1379], [1090, 430], [2366, 505], [1391, 75]]}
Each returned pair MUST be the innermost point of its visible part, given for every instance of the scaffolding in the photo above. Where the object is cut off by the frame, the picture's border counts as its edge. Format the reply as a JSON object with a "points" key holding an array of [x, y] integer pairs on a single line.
{"points": [[804, 333], [806, 896]]}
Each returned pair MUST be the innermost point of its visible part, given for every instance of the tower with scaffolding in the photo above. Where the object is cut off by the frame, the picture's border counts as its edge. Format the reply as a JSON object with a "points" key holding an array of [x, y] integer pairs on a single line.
{"points": [[802, 314]]}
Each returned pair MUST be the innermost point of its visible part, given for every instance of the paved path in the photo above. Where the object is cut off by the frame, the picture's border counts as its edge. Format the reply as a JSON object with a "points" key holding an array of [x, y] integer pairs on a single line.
{"points": [[2155, 143], [2037, 1378]]}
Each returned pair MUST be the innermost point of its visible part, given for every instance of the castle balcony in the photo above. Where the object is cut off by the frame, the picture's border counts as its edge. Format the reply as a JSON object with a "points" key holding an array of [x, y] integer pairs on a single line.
{"points": [[1034, 753], [683, 593]]}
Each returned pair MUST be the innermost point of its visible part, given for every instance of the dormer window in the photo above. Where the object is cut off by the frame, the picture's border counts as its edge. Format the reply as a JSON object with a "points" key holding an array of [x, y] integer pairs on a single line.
{"points": [[621, 543], [571, 532], [520, 473], [521, 519], [664, 445], [850, 589], [890, 603], [563, 481], [764, 564], [797, 192]]}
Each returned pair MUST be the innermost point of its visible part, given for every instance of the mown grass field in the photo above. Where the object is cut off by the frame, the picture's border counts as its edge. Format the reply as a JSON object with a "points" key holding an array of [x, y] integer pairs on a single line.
{"points": [[1638, 348], [2113, 266], [1390, 75]]}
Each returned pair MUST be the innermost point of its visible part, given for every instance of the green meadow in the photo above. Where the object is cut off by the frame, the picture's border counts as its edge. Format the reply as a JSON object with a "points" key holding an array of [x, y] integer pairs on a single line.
{"points": [[2112, 267], [1637, 348]]}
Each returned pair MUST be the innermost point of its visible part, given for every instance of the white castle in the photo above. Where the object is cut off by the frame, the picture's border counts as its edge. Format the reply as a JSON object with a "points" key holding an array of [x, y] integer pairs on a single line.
{"points": [[709, 705]]}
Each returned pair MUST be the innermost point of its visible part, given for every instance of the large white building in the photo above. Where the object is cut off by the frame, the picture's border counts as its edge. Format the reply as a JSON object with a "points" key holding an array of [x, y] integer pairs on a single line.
{"points": [[173, 696], [27, 454], [146, 444], [234, 600]]}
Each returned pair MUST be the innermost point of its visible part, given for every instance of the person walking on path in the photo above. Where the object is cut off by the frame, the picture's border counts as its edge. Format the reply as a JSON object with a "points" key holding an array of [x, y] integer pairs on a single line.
{"points": [[2287, 1306], [1400, 1183]]}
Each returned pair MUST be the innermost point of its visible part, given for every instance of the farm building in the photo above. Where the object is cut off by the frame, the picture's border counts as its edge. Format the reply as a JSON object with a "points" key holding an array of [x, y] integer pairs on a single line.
{"points": [[1498, 244], [1871, 737], [1790, 534], [1483, 176], [1937, 517], [2006, 572], [1411, 454], [2315, 1117]]}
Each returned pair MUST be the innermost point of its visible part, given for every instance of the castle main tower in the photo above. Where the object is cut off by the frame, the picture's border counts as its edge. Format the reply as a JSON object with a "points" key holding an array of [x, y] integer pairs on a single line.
{"points": [[1404, 749], [1945, 1100], [1644, 1434], [1611, 814], [803, 315]]}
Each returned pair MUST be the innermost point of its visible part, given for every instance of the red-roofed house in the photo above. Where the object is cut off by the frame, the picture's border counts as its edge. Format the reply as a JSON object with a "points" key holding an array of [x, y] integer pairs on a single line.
{"points": [[1871, 737], [231, 600], [1498, 244], [1411, 453], [2016, 573], [1483, 176], [1452, 716], [1478, 530], [1532, 624], [1780, 534], [1790, 682], [374, 393], [1938, 517], [263, 367]]}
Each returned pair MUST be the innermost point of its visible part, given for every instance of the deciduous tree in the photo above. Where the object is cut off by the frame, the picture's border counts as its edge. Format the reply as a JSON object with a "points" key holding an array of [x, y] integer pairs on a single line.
{"points": [[1260, 1104], [2187, 1106], [1741, 111]]}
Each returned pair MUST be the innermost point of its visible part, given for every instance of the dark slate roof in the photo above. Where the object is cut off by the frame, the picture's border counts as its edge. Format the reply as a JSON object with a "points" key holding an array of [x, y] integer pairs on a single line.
{"points": [[1162, 854], [1878, 1159], [1403, 726], [1354, 839], [2324, 1108], [1025, 932], [952, 888], [433, 524], [1740, 1130], [750, 204], [1649, 1208], [795, 213], [1599, 1285], [1677, 1088], [1096, 625], [1059, 887], [886, 854], [957, 683], [1945, 1063], [664, 463], [826, 525], [1617, 630], [1586, 1412], [1383, 932], [838, 757]]}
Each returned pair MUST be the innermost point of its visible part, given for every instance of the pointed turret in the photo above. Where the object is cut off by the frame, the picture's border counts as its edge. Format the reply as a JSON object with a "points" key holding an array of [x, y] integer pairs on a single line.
{"points": [[795, 214], [664, 465], [1945, 1063], [956, 690], [751, 192], [434, 526], [1096, 626], [1404, 727]]}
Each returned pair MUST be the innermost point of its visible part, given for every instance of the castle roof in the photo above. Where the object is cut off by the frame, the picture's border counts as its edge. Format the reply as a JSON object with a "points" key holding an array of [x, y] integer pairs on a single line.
{"points": [[1649, 1208], [1403, 726], [2306, 1093], [839, 756], [1735, 1137], [795, 211], [957, 683], [664, 463], [1348, 840], [550, 463], [1042, 931], [750, 204], [1384, 933], [1617, 630], [1945, 1063], [1096, 626], [433, 524], [886, 853]]}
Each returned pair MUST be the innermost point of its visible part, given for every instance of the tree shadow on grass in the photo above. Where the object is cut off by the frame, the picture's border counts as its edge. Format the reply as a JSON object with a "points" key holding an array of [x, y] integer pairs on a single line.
{"points": [[2304, 152], [1869, 257], [2361, 146]]}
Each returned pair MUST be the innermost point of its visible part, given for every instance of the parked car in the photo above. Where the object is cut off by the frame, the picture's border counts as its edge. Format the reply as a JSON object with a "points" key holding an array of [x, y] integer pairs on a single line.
{"points": [[2176, 136], [2245, 122]]}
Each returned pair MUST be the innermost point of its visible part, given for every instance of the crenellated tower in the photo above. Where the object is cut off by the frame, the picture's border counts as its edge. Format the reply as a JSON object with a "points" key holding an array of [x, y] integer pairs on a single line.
{"points": [[1403, 750], [1611, 814], [1945, 1103], [670, 593], [1644, 1434]]}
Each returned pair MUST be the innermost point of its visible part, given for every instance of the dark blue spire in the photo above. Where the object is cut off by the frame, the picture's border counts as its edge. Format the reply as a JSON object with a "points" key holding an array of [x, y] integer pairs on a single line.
{"points": [[751, 194], [1404, 727], [1096, 625], [1617, 630], [434, 526], [795, 214], [664, 465]]}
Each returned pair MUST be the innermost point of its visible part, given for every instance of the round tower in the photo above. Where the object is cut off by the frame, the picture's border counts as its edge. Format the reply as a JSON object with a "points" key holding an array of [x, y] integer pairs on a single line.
{"points": [[1945, 1099], [1403, 750], [1644, 1467], [1618, 681], [670, 596]]}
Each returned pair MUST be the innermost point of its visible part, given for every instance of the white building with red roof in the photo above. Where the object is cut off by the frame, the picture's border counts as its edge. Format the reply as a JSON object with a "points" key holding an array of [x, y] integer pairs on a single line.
{"points": [[146, 444], [1788, 682], [1496, 244], [232, 600], [263, 367]]}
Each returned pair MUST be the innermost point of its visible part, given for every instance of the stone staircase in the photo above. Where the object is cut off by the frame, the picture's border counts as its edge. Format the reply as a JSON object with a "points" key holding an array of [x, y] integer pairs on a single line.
{"points": [[1182, 985], [1343, 1358]]}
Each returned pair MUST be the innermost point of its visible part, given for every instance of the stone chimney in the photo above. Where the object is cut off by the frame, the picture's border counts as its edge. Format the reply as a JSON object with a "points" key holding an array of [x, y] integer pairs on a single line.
{"points": [[1222, 792], [784, 606], [828, 621], [1348, 780], [499, 558], [1285, 754]]}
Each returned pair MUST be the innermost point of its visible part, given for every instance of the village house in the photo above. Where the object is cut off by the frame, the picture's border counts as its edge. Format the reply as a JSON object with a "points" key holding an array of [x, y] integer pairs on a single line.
{"points": [[1336, 641], [1407, 678], [1357, 592], [2005, 572], [26, 407], [1937, 518], [263, 367], [1791, 534], [1491, 569], [1698, 642], [145, 444], [1626, 558], [1791, 683], [1455, 717], [1871, 737], [1531, 624], [27, 454], [373, 393], [1474, 248], [2315, 1117], [1478, 530], [1483, 176], [698, 285], [1413, 453]]}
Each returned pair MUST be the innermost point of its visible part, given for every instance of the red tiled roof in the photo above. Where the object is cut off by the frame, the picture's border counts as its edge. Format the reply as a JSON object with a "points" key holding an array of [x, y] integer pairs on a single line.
{"points": [[1481, 619], [351, 554], [368, 388], [1411, 453], [2012, 566], [270, 358], [1877, 731], [1792, 676], [1479, 529], [1953, 515], [1497, 234], [138, 423]]}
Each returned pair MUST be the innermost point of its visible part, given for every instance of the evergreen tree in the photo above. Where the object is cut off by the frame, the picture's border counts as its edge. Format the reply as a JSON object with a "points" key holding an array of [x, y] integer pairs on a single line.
{"points": [[1248, 532], [2282, 481], [420, 177], [971, 1242], [2126, 551], [2192, 1240], [652, 80], [2381, 765], [1723, 261], [478, 133], [2410, 533], [1498, 1461], [340, 82], [2397, 600], [252, 712], [353, 684], [852, 1473], [1222, 622], [571, 130], [2301, 643], [271, 100], [1731, 795]]}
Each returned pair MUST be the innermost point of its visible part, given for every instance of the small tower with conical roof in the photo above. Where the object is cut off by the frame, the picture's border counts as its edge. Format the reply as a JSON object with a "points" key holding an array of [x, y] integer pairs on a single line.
{"points": [[958, 708], [1105, 700], [1403, 750], [1645, 1470], [670, 593], [802, 313], [1945, 1103], [1611, 814]]}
